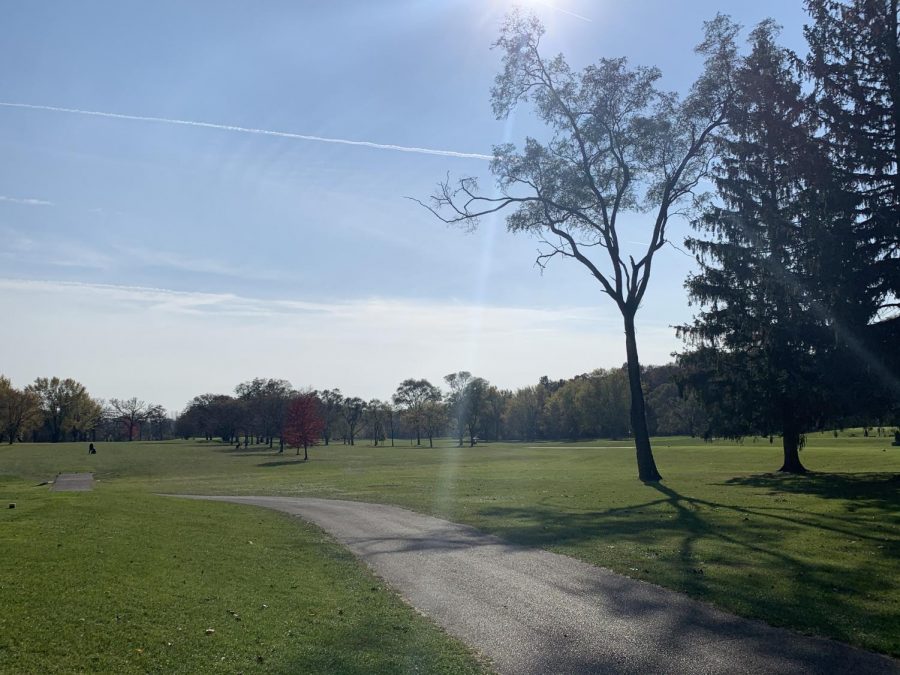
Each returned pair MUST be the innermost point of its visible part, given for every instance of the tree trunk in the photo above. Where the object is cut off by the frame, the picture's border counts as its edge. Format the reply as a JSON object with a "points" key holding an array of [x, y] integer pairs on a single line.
{"points": [[305, 454], [790, 441], [647, 471]]}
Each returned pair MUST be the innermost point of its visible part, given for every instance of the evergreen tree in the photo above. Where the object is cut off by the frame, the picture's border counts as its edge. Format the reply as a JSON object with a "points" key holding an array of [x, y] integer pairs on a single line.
{"points": [[757, 333], [854, 61]]}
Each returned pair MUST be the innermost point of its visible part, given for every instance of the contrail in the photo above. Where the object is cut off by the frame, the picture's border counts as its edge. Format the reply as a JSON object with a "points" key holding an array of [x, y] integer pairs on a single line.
{"points": [[564, 11], [247, 130]]}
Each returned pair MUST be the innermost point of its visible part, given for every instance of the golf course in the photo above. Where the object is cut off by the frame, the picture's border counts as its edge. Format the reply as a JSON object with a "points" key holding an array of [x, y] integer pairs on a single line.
{"points": [[124, 579]]}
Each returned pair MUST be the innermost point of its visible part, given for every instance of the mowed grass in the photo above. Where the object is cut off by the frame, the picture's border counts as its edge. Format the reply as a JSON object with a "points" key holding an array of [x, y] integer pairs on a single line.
{"points": [[124, 581], [819, 553]]}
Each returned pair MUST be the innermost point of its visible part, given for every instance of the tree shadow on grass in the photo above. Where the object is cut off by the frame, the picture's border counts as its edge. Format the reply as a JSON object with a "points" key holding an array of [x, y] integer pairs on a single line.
{"points": [[880, 490], [284, 462], [249, 451], [744, 558]]}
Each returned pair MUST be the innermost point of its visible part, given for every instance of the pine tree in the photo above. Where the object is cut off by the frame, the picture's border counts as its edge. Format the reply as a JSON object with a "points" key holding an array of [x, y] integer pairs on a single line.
{"points": [[854, 62], [757, 333]]}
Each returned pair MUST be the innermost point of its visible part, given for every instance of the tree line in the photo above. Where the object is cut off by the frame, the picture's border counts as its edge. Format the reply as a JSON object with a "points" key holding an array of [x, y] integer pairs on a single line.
{"points": [[52, 409], [469, 409]]}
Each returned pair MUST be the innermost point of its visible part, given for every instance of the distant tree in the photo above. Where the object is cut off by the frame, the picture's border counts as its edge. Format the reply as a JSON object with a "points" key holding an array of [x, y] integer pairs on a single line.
{"points": [[331, 402], [158, 422], [524, 413], [476, 406], [757, 339], [377, 414], [676, 413], [413, 395], [303, 425], [467, 401], [495, 405], [563, 409], [84, 418], [618, 143], [65, 406], [352, 410], [266, 406], [20, 411], [211, 415], [609, 392], [456, 400], [197, 418], [132, 413], [434, 420], [390, 420]]}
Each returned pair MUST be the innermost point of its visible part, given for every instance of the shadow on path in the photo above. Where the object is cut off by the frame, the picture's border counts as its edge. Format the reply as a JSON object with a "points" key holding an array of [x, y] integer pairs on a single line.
{"points": [[741, 557]]}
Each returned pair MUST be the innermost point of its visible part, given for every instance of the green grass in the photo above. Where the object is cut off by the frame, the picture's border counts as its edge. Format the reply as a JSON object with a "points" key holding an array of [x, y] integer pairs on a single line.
{"points": [[125, 581], [820, 553]]}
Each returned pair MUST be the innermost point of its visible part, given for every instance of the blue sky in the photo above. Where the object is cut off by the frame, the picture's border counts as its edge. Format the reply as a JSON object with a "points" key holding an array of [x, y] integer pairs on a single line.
{"points": [[162, 261]]}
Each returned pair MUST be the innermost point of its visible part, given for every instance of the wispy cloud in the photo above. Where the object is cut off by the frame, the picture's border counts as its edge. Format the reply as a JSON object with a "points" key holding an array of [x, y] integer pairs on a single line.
{"points": [[437, 315], [26, 202], [249, 130], [190, 263], [167, 346]]}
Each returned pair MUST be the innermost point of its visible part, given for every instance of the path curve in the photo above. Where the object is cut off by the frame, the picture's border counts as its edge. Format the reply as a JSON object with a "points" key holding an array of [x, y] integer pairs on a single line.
{"points": [[532, 611]]}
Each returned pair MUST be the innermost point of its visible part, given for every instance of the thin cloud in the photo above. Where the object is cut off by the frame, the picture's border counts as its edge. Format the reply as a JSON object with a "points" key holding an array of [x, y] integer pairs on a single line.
{"points": [[435, 315], [26, 202], [190, 342], [248, 130], [194, 264]]}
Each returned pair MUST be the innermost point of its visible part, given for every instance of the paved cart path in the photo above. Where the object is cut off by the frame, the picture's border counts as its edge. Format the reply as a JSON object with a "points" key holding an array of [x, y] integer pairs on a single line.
{"points": [[531, 611], [73, 482]]}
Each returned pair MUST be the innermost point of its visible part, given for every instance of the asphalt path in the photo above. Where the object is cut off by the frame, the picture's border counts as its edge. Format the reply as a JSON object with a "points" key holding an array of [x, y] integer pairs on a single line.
{"points": [[73, 482], [532, 611]]}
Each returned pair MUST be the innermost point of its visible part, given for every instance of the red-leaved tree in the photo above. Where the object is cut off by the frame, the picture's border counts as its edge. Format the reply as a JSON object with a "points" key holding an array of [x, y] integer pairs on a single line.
{"points": [[304, 425]]}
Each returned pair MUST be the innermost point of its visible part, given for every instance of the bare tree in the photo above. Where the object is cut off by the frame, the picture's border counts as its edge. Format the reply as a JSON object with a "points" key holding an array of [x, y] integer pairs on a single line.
{"points": [[376, 417], [352, 410], [131, 412], [617, 144]]}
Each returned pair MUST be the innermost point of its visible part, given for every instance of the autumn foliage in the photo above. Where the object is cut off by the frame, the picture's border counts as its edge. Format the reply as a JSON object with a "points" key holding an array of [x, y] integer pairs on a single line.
{"points": [[304, 424]]}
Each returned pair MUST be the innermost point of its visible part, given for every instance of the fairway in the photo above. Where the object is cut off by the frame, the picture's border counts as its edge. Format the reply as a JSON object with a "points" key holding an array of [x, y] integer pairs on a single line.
{"points": [[817, 553]]}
